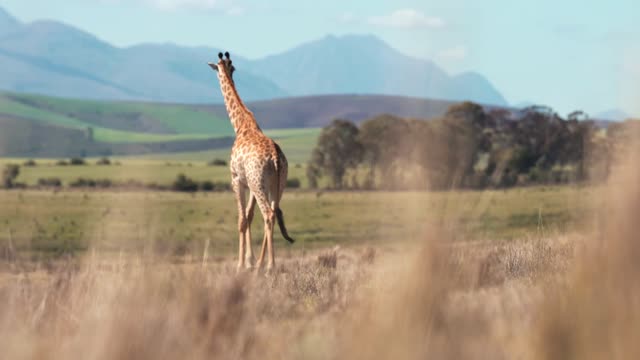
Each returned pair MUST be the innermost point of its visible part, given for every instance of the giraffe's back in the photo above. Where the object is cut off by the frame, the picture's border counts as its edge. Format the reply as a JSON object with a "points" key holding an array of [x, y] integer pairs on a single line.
{"points": [[258, 163]]}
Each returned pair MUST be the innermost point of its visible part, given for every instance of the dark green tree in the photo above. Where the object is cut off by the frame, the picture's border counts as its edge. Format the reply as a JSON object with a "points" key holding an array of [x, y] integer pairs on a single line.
{"points": [[9, 175], [385, 140], [337, 150]]}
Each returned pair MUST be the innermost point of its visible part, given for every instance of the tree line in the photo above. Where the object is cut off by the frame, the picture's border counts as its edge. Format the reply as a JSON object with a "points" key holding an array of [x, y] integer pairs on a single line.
{"points": [[469, 147]]}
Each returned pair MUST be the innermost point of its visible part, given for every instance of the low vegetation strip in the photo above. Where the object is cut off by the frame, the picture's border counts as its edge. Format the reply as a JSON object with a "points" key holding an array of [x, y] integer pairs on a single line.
{"points": [[120, 220]]}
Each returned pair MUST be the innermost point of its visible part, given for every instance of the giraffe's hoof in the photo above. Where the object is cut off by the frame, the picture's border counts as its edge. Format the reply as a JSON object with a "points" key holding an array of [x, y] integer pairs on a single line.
{"points": [[270, 269], [249, 263]]}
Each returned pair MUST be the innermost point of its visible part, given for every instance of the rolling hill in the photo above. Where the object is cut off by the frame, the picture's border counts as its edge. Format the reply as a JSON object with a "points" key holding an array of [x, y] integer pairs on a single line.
{"points": [[118, 121], [52, 58], [36, 125], [613, 115]]}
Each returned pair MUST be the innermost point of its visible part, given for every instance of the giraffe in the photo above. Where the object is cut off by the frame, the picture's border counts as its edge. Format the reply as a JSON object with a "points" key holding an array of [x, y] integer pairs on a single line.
{"points": [[257, 164]]}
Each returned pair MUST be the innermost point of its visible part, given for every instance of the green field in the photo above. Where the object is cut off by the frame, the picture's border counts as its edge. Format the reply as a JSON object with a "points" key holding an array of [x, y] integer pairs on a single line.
{"points": [[55, 222], [163, 168], [297, 145]]}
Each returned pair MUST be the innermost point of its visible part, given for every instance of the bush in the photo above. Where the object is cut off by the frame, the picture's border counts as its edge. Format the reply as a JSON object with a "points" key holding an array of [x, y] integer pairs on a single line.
{"points": [[77, 161], [29, 163], [103, 161], [293, 183], [62, 163], [156, 186], [184, 184], [49, 182], [91, 183], [206, 185], [19, 185], [9, 175], [217, 162], [222, 186]]}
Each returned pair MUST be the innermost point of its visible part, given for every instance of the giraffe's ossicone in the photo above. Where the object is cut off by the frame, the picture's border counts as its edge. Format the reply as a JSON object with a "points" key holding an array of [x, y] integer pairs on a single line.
{"points": [[257, 164]]}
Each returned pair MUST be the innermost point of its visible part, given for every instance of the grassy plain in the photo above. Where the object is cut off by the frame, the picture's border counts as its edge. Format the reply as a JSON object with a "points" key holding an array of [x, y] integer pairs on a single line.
{"points": [[163, 168], [297, 144], [530, 273], [67, 221]]}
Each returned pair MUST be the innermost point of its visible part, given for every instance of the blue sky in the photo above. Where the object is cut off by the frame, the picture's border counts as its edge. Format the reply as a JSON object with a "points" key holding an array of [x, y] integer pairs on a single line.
{"points": [[567, 54]]}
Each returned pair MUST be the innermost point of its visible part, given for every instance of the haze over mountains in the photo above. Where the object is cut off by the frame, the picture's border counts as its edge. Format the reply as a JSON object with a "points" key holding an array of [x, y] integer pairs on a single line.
{"points": [[52, 58]]}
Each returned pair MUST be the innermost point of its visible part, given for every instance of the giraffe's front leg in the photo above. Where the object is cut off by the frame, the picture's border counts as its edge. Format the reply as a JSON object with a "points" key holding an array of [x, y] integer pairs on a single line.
{"points": [[262, 252]]}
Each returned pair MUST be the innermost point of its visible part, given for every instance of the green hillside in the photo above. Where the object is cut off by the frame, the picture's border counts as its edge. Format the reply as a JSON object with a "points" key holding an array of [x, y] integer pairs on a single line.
{"points": [[41, 126], [130, 116], [180, 122], [297, 144]]}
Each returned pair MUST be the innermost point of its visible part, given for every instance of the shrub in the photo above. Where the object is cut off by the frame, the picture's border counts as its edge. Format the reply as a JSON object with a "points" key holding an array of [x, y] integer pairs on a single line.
{"points": [[77, 161], [49, 182], [206, 185], [103, 161], [91, 183], [103, 183], [29, 163], [62, 163], [222, 186], [293, 183], [185, 184], [217, 162], [329, 259], [156, 186], [9, 175]]}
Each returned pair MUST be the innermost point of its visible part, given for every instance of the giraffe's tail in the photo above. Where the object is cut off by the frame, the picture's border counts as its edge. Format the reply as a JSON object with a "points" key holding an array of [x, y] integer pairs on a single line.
{"points": [[283, 229]]}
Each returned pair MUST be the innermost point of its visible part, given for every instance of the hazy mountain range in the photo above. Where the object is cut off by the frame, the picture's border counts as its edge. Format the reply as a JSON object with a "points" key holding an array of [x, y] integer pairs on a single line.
{"points": [[613, 115], [51, 58]]}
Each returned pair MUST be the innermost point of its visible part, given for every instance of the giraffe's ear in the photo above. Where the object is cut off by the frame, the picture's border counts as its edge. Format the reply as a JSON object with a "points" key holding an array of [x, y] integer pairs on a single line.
{"points": [[214, 66], [233, 68]]}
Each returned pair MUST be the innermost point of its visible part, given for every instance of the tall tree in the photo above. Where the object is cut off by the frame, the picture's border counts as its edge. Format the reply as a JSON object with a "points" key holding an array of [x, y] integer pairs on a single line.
{"points": [[385, 139], [338, 150], [9, 175]]}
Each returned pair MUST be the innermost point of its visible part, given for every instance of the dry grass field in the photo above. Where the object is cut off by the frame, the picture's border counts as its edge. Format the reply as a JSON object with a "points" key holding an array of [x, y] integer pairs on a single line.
{"points": [[547, 292], [362, 302]]}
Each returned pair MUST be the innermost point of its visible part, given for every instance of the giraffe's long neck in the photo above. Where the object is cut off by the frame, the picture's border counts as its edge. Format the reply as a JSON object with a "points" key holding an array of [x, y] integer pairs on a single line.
{"points": [[241, 117]]}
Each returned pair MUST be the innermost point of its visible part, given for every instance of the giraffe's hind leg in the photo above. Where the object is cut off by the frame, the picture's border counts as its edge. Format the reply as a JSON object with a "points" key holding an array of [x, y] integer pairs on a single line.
{"points": [[269, 216], [249, 259], [239, 191]]}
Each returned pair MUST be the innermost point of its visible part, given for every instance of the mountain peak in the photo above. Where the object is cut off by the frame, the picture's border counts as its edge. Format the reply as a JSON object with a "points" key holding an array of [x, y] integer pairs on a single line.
{"points": [[613, 115], [7, 22], [354, 40]]}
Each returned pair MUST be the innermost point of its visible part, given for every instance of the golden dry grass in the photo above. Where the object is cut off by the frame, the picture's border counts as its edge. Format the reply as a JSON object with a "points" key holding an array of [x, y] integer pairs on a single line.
{"points": [[360, 302], [561, 296]]}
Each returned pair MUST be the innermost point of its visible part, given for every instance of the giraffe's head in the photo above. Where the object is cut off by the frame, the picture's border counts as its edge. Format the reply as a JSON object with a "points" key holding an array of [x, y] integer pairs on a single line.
{"points": [[224, 66]]}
